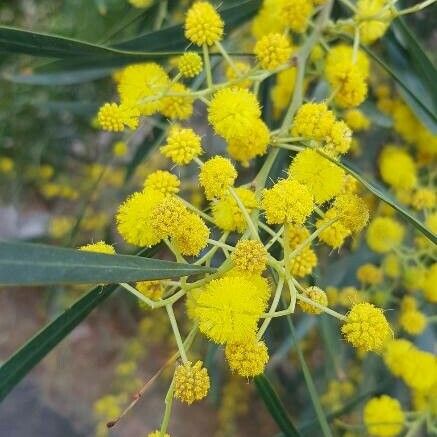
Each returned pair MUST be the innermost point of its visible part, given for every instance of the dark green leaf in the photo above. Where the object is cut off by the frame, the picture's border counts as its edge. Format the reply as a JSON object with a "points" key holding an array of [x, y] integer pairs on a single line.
{"points": [[36, 264], [275, 406]]}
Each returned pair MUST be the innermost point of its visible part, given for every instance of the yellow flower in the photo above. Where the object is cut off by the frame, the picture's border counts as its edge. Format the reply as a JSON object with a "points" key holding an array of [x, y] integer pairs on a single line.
{"points": [[177, 107], [216, 176], [151, 289], [323, 178], [424, 198], [372, 29], [335, 234], [99, 247], [383, 416], [120, 149], [133, 218], [60, 226], [317, 295], [366, 328], [266, 20], [431, 222], [237, 73], [191, 234], [352, 211], [341, 54], [419, 370], [229, 308], [190, 64], [203, 24], [282, 90], [413, 321], [166, 216], [313, 120], [338, 139], [391, 266], [370, 274], [384, 234], [430, 284], [163, 181], [295, 14], [395, 354], [272, 50], [250, 256], [286, 202], [114, 118], [191, 382], [397, 168], [297, 234], [303, 263], [357, 120], [232, 112], [183, 145], [248, 359]]}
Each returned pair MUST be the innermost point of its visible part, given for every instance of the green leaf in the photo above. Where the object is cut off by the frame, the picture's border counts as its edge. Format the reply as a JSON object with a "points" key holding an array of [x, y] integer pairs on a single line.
{"points": [[36, 264], [275, 406]]}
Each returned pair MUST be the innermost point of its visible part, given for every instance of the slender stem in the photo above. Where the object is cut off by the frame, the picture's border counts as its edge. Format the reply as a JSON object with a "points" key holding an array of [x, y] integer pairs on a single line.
{"points": [[168, 407], [246, 215], [416, 427], [228, 59], [207, 63], [176, 332], [139, 295]]}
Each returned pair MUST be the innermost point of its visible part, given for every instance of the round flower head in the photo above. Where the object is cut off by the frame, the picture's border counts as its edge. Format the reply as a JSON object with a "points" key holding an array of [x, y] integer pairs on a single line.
{"points": [[335, 234], [133, 218], [357, 120], [303, 263], [413, 321], [99, 247], [254, 144], [237, 73], [342, 54], [352, 211], [429, 285], [191, 382], [424, 198], [191, 235], [190, 64], [366, 328], [152, 289], [120, 149], [272, 50], [163, 181], [183, 145], [391, 266], [216, 176], [287, 201], [295, 14], [313, 120], [177, 107], [229, 308], [203, 24], [166, 216], [114, 118], [338, 139], [371, 30], [317, 295], [247, 359], [297, 234], [397, 168], [419, 370], [232, 112], [228, 215], [250, 256], [384, 234], [370, 274], [323, 178], [395, 354], [383, 416]]}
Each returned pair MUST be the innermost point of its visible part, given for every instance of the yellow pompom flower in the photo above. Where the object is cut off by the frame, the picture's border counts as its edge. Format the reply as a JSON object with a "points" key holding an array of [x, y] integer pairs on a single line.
{"points": [[232, 112], [229, 308], [313, 120], [391, 266], [352, 211], [424, 198], [183, 145], [287, 201], [317, 295], [158, 434], [395, 354], [152, 289], [266, 20], [431, 222], [249, 256], [228, 215], [366, 328], [338, 139], [247, 359], [216, 176], [165, 217], [254, 144], [430, 284], [295, 14], [397, 168], [384, 234], [133, 218], [99, 247], [323, 178], [413, 321], [177, 107], [297, 234], [272, 50], [356, 120], [120, 149], [6, 165], [282, 90], [203, 25], [372, 29], [342, 54], [114, 118], [163, 181], [383, 416], [370, 274], [190, 64], [237, 72], [303, 263], [419, 370], [191, 382], [335, 234], [191, 234]]}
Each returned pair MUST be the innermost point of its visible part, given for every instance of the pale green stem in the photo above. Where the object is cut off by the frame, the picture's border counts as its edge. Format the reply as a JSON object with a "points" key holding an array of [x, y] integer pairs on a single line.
{"points": [[228, 59], [416, 8], [291, 147], [176, 333], [245, 213], [168, 407], [414, 431], [202, 214], [220, 244], [356, 45], [207, 64], [276, 237], [349, 5]]}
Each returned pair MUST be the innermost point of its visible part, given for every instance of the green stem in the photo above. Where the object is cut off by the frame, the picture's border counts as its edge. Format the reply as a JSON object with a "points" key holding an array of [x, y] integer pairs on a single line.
{"points": [[168, 407], [176, 332], [207, 63], [246, 215]]}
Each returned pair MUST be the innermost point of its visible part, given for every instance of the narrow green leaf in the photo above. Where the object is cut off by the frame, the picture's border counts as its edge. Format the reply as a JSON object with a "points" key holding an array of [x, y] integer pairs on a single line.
{"points": [[275, 406], [36, 264]]}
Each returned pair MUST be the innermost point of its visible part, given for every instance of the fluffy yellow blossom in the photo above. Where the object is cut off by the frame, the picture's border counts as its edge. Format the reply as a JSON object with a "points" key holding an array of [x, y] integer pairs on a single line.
{"points": [[372, 29], [114, 118], [424, 198], [335, 234], [383, 416], [191, 382], [313, 120], [165, 217], [303, 263], [232, 112], [203, 25], [350, 296], [190, 64], [60, 226], [351, 211], [391, 266], [216, 176], [183, 145], [254, 144], [419, 369], [414, 277], [323, 178], [341, 54], [120, 149], [356, 120], [237, 72], [338, 139], [249, 256], [366, 328], [295, 14], [395, 355], [178, 106], [99, 247], [296, 235], [397, 168], [248, 359], [152, 289], [272, 50], [227, 214], [163, 181], [266, 21], [287, 201], [430, 284], [370, 274], [431, 222], [413, 321], [191, 234], [229, 308], [384, 234], [133, 218], [317, 295], [282, 90]]}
